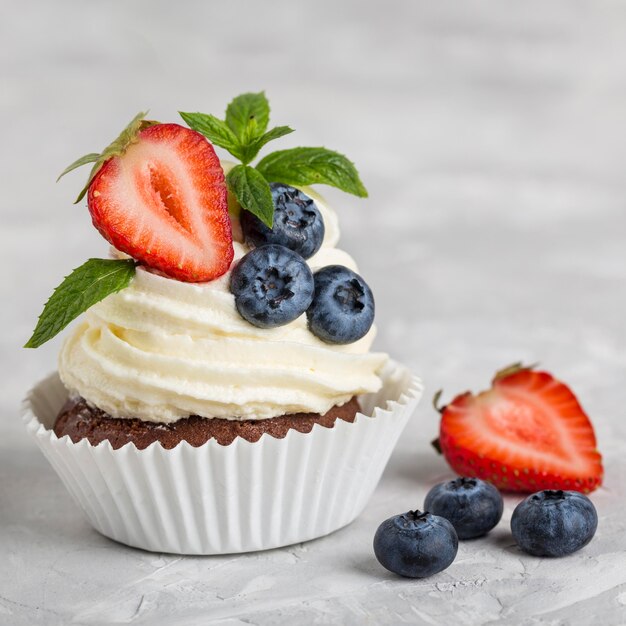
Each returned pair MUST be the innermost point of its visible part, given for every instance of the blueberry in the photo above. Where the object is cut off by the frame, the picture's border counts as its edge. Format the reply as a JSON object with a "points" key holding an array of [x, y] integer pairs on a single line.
{"points": [[471, 505], [554, 523], [272, 286], [415, 544], [298, 224], [343, 305]]}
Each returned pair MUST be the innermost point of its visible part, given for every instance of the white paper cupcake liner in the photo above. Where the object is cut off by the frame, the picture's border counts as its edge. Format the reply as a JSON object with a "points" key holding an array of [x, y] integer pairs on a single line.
{"points": [[217, 499]]}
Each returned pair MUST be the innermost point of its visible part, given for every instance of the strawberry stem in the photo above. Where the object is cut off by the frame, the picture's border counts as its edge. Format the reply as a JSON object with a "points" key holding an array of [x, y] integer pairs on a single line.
{"points": [[116, 148], [514, 368], [436, 398]]}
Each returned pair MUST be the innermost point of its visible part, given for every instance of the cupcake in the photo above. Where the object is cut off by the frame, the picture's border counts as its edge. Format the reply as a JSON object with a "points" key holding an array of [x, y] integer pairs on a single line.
{"points": [[218, 392]]}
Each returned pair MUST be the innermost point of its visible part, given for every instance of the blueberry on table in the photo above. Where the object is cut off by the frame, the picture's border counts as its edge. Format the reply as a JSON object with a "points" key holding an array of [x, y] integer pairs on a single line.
{"points": [[415, 544], [471, 505], [554, 522], [272, 286], [343, 305], [298, 223]]}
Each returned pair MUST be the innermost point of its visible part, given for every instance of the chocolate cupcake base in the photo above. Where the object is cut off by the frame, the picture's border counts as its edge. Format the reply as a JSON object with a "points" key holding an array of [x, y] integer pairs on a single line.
{"points": [[80, 420], [216, 499]]}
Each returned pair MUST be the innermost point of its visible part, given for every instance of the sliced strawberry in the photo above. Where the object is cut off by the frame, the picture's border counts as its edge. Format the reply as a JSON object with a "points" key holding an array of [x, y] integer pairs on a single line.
{"points": [[163, 201], [527, 433]]}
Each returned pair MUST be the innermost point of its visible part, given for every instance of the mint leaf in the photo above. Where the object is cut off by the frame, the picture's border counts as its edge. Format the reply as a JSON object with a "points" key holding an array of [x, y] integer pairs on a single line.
{"points": [[248, 115], [243, 133], [215, 130], [308, 166], [250, 133], [275, 133], [252, 148], [86, 285], [252, 192]]}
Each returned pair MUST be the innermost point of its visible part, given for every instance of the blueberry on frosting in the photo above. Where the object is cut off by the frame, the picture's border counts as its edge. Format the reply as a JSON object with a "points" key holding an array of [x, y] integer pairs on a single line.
{"points": [[298, 223], [272, 286], [343, 306]]}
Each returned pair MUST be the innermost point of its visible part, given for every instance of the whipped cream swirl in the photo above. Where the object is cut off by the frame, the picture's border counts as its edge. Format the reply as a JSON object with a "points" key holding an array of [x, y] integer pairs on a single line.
{"points": [[162, 349]]}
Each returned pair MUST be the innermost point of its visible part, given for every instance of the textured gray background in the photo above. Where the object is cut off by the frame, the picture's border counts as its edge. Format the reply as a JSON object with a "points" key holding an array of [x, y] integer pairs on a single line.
{"points": [[491, 135]]}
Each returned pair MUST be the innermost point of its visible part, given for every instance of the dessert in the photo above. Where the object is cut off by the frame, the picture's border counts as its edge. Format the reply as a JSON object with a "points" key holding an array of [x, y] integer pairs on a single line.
{"points": [[226, 331]]}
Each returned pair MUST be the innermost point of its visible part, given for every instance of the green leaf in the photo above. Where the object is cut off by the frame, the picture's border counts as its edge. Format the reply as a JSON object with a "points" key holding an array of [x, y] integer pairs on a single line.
{"points": [[215, 130], [117, 147], [127, 136], [252, 149], [250, 132], [248, 116], [92, 157], [252, 192], [243, 133], [308, 166], [275, 133], [94, 170], [86, 285]]}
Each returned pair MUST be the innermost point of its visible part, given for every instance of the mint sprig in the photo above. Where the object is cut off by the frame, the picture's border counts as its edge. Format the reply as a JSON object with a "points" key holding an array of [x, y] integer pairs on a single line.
{"points": [[85, 286], [244, 133], [252, 192], [248, 116], [308, 166], [216, 131], [116, 148], [252, 148]]}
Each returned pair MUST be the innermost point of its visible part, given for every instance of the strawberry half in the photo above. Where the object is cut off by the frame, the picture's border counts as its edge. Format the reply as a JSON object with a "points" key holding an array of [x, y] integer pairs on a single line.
{"points": [[163, 201], [527, 433]]}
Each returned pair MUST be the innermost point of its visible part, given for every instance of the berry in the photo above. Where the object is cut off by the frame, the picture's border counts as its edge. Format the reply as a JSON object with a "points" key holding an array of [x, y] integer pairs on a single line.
{"points": [[527, 432], [471, 505], [415, 544], [272, 286], [298, 224], [554, 523], [343, 306], [163, 202]]}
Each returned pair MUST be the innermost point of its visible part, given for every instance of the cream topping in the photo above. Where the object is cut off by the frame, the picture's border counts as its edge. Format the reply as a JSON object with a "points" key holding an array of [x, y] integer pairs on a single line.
{"points": [[162, 349]]}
